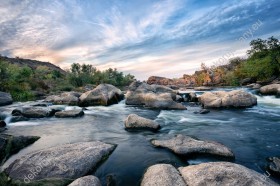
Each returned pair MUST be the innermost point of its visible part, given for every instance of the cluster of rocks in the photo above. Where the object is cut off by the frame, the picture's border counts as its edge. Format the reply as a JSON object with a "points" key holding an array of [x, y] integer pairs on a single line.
{"points": [[152, 96], [103, 94], [212, 173], [235, 98], [25, 113]]}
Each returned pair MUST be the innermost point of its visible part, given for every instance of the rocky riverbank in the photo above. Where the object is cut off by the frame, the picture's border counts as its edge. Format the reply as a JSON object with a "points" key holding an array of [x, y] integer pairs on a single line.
{"points": [[74, 162]]}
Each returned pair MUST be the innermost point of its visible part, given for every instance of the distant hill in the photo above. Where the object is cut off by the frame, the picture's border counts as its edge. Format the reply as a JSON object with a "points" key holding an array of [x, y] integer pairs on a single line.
{"points": [[33, 64]]}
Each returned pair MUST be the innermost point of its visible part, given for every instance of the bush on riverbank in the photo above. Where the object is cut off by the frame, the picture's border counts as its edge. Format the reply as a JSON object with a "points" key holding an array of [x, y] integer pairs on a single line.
{"points": [[262, 64], [24, 83]]}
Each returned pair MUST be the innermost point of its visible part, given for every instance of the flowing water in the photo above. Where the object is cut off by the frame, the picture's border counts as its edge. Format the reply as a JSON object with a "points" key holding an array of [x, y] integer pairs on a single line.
{"points": [[252, 134]]}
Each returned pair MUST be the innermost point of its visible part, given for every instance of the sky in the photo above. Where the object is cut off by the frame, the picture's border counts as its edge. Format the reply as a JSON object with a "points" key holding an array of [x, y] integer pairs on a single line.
{"points": [[143, 37]]}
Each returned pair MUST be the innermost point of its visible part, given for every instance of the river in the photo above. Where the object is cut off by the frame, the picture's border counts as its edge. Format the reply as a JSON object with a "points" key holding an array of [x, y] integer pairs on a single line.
{"points": [[252, 134]]}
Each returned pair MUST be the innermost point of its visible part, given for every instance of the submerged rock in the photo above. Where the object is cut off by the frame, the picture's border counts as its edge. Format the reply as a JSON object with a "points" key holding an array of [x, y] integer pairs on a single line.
{"points": [[186, 146], [10, 145], [18, 118], [274, 165], [68, 161], [86, 181], [162, 175], [273, 89], [33, 112], [103, 94], [202, 111], [235, 98], [69, 113], [223, 173], [152, 96], [134, 121], [5, 99]]}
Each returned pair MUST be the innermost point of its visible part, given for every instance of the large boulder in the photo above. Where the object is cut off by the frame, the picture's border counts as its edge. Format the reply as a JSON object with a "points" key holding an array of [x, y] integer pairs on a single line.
{"points": [[186, 146], [152, 96], [235, 98], [5, 99], [273, 89], [10, 145], [134, 121], [69, 113], [274, 165], [162, 175], [67, 98], [103, 94], [223, 173], [68, 161], [33, 112], [86, 181]]}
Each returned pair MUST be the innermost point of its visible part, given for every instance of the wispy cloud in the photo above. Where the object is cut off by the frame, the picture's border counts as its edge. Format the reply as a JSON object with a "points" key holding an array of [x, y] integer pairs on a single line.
{"points": [[167, 38]]}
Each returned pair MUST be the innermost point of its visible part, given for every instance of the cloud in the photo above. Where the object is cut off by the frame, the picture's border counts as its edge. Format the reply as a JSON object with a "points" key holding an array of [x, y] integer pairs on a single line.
{"points": [[167, 37]]}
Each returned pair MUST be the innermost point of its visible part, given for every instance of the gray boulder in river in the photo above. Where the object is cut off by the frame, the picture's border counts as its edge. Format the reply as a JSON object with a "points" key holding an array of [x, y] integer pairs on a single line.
{"points": [[5, 99], [185, 146], [67, 98], [69, 113], [103, 94], [235, 98], [33, 112], [86, 181], [134, 121], [68, 161], [273, 89], [223, 173], [162, 175], [152, 96]]}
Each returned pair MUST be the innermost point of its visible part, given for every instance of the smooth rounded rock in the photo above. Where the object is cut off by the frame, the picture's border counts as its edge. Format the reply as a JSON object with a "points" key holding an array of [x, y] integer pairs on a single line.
{"points": [[68, 161], [186, 146], [134, 121], [273, 89], [70, 113], [162, 175], [223, 173], [86, 181], [235, 98], [103, 94], [33, 112]]}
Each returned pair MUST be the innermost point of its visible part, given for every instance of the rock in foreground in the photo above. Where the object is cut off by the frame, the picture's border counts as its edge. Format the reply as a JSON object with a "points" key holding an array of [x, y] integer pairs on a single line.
{"points": [[134, 121], [86, 181], [103, 94], [274, 165], [5, 99], [273, 89], [162, 175], [223, 173], [152, 96], [185, 146], [69, 113], [69, 161], [235, 98]]}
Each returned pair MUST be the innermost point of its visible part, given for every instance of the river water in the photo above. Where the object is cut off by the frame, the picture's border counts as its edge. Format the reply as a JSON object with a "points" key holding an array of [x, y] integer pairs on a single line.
{"points": [[252, 134]]}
